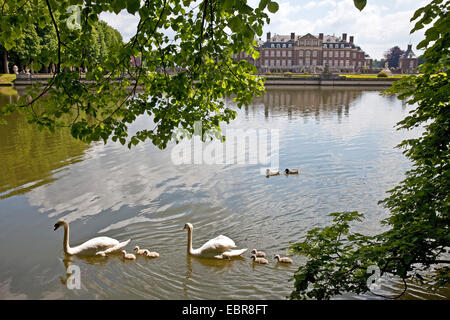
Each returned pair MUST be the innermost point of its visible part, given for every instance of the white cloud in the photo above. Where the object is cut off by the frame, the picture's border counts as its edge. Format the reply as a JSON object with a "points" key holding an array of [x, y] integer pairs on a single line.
{"points": [[380, 26], [376, 29], [124, 22]]}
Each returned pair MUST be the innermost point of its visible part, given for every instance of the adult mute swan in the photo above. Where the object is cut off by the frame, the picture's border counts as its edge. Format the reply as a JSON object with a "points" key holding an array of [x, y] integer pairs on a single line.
{"points": [[99, 246], [218, 248]]}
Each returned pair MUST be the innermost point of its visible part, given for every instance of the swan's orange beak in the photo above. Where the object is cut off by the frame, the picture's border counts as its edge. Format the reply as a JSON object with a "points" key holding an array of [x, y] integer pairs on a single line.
{"points": [[56, 227]]}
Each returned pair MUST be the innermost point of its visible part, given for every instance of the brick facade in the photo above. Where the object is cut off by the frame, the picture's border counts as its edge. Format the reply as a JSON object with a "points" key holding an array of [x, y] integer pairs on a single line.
{"points": [[408, 61], [308, 53]]}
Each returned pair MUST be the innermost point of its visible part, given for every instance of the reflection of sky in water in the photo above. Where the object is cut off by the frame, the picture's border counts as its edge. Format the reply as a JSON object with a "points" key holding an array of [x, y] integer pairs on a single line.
{"points": [[336, 158]]}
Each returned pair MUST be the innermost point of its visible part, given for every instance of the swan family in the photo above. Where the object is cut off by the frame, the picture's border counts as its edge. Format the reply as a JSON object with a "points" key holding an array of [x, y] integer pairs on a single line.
{"points": [[220, 247]]}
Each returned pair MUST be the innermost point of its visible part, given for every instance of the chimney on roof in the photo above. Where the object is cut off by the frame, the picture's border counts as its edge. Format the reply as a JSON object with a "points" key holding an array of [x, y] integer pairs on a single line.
{"points": [[268, 36], [344, 37], [321, 36], [292, 35], [409, 47], [351, 39]]}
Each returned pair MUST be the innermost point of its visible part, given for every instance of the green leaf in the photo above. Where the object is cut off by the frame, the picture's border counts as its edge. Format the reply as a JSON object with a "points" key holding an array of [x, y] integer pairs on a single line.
{"points": [[133, 6], [273, 7], [360, 4]]}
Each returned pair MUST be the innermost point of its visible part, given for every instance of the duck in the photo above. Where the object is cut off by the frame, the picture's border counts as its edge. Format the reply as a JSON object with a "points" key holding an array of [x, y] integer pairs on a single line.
{"points": [[259, 260], [128, 256], [99, 246], [270, 172], [217, 248], [291, 171], [259, 253], [151, 254], [283, 260]]}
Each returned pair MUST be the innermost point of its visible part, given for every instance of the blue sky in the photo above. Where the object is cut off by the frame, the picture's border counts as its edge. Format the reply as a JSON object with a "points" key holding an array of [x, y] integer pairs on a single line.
{"points": [[380, 26]]}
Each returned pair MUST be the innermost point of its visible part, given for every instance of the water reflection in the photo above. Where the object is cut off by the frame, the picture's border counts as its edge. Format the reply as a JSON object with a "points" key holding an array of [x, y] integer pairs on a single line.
{"points": [[306, 101], [341, 140], [31, 158]]}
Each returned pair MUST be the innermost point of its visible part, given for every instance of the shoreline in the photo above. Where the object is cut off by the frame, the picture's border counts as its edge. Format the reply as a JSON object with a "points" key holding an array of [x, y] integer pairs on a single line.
{"points": [[337, 81]]}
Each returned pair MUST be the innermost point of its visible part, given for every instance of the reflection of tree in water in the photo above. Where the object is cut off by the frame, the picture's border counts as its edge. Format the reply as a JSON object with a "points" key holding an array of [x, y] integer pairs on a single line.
{"points": [[308, 101], [30, 156]]}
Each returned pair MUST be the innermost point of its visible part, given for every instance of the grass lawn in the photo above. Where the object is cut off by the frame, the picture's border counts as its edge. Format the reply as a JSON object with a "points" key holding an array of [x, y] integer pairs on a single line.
{"points": [[7, 78]]}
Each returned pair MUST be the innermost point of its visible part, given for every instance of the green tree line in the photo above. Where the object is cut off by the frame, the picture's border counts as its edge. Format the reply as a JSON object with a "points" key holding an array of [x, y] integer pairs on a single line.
{"points": [[37, 45]]}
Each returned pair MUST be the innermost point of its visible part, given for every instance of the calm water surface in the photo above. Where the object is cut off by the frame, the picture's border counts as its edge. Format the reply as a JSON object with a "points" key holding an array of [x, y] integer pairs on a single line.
{"points": [[341, 140]]}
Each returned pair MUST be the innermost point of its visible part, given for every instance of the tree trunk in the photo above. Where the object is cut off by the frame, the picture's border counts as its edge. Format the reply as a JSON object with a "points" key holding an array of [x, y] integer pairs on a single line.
{"points": [[5, 62]]}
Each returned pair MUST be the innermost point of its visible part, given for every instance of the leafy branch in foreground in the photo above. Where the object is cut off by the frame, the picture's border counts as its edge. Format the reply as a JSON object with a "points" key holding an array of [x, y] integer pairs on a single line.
{"points": [[418, 235], [181, 80]]}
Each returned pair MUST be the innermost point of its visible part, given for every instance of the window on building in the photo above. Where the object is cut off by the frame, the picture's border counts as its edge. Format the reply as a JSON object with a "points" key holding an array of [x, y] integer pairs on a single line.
{"points": [[341, 63], [289, 63], [278, 63], [336, 54], [342, 45], [272, 45], [284, 45], [290, 45], [347, 63], [308, 53], [272, 63], [411, 64], [284, 53], [272, 53], [278, 53], [278, 45], [336, 46], [347, 54], [314, 62], [325, 54], [330, 63], [283, 63], [354, 55], [289, 53], [302, 43], [300, 53], [300, 63], [266, 53], [342, 54], [314, 53]]}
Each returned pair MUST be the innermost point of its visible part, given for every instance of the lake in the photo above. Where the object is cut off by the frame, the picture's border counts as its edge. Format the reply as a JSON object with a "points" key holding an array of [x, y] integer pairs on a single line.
{"points": [[341, 139]]}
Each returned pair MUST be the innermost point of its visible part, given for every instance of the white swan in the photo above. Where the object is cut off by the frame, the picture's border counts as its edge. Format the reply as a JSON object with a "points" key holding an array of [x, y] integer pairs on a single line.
{"points": [[218, 248], [99, 246]]}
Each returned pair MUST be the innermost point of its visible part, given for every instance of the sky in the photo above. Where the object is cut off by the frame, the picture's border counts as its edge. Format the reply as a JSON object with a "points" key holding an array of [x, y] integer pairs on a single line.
{"points": [[382, 24]]}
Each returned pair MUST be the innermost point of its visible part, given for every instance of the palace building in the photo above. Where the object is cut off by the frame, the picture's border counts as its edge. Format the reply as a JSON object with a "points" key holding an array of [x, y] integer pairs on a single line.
{"points": [[309, 53]]}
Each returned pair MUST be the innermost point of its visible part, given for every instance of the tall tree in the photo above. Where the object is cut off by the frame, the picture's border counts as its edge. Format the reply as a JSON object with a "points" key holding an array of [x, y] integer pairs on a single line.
{"points": [[393, 55]]}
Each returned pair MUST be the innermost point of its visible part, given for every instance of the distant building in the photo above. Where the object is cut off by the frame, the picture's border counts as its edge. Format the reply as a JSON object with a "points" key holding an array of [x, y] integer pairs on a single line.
{"points": [[309, 53], [408, 61]]}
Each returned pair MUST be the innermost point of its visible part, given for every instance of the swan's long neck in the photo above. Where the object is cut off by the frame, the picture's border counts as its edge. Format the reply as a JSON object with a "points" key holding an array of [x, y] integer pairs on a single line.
{"points": [[66, 239], [189, 244]]}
